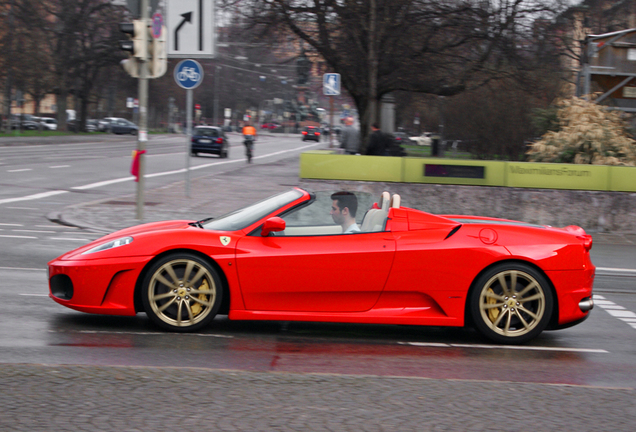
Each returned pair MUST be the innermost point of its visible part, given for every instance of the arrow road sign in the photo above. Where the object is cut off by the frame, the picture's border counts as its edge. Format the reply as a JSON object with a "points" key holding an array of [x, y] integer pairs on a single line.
{"points": [[187, 17], [190, 24], [331, 84]]}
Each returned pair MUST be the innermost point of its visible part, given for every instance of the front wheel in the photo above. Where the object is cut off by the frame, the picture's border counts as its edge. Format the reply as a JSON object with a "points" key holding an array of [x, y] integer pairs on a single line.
{"points": [[181, 293], [511, 303]]}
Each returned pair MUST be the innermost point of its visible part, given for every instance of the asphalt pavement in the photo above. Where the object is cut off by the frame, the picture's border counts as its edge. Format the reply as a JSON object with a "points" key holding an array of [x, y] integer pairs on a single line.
{"points": [[101, 398]]}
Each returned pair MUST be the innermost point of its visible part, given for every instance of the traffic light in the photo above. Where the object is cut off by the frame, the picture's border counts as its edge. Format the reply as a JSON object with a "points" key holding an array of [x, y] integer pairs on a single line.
{"points": [[158, 60], [143, 47], [137, 43]]}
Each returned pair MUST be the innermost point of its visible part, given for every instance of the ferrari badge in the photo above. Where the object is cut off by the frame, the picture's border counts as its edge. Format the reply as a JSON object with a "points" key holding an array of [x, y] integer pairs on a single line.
{"points": [[225, 240]]}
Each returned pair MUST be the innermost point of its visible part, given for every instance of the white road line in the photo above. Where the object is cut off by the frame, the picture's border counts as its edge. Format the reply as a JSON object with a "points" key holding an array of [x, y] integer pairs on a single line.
{"points": [[7, 224], [144, 333], [22, 268], [615, 270], [33, 197], [616, 311], [33, 231], [510, 347], [34, 295], [70, 239], [17, 236], [20, 170], [59, 166]]}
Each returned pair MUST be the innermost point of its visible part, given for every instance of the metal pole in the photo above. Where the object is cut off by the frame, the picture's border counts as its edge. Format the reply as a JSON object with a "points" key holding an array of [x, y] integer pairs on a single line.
{"points": [[142, 136], [331, 131], [188, 134], [217, 120]]}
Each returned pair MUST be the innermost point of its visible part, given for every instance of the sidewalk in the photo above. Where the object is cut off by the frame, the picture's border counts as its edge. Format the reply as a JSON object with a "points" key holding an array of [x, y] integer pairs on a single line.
{"points": [[213, 195]]}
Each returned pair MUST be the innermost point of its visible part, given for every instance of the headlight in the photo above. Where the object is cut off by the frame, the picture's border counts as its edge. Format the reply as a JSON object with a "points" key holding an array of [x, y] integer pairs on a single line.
{"points": [[110, 245]]}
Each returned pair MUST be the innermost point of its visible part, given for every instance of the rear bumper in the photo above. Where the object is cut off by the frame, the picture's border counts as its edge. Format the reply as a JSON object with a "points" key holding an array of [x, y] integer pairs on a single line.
{"points": [[574, 295]]}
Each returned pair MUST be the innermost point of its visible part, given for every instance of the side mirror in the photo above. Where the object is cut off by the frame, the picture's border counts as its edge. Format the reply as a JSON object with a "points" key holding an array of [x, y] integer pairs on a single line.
{"points": [[273, 224]]}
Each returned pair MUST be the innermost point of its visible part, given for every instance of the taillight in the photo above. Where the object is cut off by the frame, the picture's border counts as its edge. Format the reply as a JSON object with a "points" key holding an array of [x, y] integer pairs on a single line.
{"points": [[318, 133], [219, 140], [587, 241], [193, 140], [304, 132]]}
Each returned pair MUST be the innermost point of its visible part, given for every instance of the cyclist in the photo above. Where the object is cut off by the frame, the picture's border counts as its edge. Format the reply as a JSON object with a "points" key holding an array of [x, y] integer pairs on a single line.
{"points": [[249, 136], [249, 130]]}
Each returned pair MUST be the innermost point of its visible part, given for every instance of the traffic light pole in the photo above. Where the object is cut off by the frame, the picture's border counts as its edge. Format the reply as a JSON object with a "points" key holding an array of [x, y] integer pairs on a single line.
{"points": [[142, 136]]}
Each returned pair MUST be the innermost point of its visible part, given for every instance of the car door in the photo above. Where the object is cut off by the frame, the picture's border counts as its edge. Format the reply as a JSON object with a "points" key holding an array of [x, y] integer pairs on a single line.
{"points": [[321, 273]]}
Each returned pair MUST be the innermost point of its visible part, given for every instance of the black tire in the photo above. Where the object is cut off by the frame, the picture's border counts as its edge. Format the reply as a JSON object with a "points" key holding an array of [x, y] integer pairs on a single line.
{"points": [[133, 132], [194, 153], [175, 299], [224, 153], [511, 303]]}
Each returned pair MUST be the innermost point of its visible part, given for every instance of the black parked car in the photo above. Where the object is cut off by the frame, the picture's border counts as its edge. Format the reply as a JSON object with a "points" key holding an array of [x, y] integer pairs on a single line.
{"points": [[311, 133], [209, 139]]}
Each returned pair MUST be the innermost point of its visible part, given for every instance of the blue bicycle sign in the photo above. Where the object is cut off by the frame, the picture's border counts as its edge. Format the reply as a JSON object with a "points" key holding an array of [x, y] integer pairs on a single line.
{"points": [[188, 74]]}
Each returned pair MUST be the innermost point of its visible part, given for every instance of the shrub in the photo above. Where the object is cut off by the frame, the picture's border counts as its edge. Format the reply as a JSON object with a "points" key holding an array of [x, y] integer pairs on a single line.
{"points": [[588, 134]]}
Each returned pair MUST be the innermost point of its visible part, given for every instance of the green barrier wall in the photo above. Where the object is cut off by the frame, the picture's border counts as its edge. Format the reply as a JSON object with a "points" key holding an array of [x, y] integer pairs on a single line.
{"points": [[325, 165]]}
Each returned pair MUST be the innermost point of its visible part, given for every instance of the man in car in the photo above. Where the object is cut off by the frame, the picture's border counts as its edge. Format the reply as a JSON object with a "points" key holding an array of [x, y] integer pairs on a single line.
{"points": [[343, 211]]}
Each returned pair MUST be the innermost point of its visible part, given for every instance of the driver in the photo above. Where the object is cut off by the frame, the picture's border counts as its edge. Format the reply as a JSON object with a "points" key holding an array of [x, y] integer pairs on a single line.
{"points": [[343, 211]]}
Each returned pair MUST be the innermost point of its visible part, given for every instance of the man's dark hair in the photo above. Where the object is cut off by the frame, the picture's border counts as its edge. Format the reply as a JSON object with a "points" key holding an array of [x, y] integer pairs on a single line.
{"points": [[375, 126], [346, 199]]}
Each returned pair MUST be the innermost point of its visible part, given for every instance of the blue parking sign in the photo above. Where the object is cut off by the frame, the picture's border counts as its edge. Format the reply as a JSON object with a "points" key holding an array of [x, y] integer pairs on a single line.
{"points": [[331, 84]]}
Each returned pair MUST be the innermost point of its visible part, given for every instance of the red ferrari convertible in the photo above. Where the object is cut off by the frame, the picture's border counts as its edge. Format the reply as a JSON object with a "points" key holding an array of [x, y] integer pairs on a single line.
{"points": [[301, 256]]}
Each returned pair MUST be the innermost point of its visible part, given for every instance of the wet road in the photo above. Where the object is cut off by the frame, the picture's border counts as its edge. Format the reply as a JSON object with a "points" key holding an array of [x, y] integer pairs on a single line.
{"points": [[37, 330], [372, 372]]}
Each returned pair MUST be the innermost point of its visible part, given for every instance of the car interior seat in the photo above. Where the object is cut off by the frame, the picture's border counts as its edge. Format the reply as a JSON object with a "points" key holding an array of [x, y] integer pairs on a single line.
{"points": [[375, 218], [395, 201]]}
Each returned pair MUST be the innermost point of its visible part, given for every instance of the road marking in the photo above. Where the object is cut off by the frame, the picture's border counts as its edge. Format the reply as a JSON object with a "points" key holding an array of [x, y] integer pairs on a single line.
{"points": [[6, 224], [142, 333], [22, 268], [125, 179], [615, 310], [34, 295], [20, 170], [33, 231], [615, 270], [59, 166], [70, 239], [33, 197], [17, 236], [510, 347]]}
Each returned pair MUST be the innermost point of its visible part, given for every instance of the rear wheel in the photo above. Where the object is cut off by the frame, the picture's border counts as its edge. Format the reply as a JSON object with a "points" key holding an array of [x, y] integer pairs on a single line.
{"points": [[511, 303], [182, 293]]}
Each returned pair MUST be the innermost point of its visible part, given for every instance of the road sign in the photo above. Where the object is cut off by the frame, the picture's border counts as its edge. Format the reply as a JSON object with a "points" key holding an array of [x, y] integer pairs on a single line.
{"points": [[188, 74], [331, 84], [190, 25], [157, 25]]}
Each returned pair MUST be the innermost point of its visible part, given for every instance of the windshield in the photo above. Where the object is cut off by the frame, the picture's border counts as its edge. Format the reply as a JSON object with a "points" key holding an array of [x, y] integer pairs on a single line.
{"points": [[242, 218], [205, 132]]}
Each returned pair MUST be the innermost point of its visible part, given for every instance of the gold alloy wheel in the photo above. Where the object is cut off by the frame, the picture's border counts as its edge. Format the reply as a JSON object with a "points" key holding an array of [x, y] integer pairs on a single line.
{"points": [[512, 303], [182, 292]]}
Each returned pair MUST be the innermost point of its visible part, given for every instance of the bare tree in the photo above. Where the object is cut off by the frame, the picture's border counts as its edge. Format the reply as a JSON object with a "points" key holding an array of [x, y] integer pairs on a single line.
{"points": [[440, 47]]}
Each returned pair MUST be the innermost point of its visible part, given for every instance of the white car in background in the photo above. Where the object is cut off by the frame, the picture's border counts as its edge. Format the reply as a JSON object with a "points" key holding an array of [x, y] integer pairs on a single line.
{"points": [[48, 123], [423, 140]]}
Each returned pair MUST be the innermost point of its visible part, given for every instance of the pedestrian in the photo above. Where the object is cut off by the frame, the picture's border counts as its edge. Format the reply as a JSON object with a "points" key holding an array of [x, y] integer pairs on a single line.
{"points": [[350, 137], [377, 145]]}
